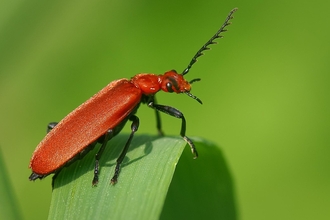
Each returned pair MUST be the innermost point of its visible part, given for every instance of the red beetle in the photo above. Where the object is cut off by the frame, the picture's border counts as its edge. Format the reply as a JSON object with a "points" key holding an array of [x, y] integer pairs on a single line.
{"points": [[104, 115]]}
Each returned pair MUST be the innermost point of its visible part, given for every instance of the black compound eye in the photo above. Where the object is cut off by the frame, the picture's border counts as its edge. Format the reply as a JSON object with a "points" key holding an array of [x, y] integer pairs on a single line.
{"points": [[169, 87]]}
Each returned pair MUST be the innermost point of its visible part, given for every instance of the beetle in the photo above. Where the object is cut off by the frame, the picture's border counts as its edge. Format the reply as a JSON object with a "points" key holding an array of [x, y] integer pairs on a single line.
{"points": [[104, 115]]}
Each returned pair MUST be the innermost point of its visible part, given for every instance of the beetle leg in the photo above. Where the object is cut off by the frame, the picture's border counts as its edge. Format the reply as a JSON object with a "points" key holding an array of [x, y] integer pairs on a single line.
{"points": [[106, 137], [158, 121], [176, 113], [50, 126], [134, 128], [35, 176]]}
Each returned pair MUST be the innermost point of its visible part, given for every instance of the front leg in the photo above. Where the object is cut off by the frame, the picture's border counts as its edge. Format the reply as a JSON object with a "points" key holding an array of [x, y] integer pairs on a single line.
{"points": [[176, 113], [158, 120]]}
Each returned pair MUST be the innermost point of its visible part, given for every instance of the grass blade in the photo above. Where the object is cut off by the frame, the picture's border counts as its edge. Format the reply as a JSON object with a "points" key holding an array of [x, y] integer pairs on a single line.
{"points": [[142, 187]]}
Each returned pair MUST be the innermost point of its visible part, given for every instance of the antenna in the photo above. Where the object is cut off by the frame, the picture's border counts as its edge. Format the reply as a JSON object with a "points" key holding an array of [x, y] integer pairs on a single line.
{"points": [[211, 41]]}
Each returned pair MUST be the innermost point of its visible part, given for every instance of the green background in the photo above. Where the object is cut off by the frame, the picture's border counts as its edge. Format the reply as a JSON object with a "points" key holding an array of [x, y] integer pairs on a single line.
{"points": [[264, 87]]}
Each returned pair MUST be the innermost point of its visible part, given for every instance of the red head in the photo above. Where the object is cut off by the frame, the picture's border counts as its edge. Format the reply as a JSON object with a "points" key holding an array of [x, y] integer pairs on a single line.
{"points": [[171, 81]]}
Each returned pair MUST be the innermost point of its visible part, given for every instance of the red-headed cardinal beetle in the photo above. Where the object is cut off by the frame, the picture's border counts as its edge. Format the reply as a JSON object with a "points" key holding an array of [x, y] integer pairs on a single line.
{"points": [[104, 115]]}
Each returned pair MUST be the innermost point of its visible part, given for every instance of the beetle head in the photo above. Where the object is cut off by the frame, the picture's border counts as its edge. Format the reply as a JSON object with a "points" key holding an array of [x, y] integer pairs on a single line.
{"points": [[171, 81]]}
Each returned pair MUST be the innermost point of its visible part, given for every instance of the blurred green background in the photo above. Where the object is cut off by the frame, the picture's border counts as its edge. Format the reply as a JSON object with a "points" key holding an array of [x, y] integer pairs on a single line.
{"points": [[265, 87]]}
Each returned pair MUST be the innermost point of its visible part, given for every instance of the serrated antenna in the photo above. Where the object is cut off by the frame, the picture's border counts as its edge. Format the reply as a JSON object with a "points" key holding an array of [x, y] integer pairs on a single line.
{"points": [[211, 41]]}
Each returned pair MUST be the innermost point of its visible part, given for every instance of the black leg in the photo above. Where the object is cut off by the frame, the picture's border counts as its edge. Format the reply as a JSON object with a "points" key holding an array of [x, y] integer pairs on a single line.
{"points": [[50, 126], [35, 176], [105, 140], [134, 128], [158, 121], [176, 113]]}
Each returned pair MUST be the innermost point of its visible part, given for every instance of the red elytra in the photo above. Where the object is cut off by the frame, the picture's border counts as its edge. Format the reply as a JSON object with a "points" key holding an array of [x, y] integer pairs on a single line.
{"points": [[84, 125], [103, 116]]}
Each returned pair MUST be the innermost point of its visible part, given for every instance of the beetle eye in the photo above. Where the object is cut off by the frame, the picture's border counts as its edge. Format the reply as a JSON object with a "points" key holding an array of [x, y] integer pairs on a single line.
{"points": [[169, 87]]}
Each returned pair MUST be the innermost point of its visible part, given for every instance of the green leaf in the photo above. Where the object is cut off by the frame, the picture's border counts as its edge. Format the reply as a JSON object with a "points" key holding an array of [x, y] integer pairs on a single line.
{"points": [[142, 187], [9, 207], [201, 188]]}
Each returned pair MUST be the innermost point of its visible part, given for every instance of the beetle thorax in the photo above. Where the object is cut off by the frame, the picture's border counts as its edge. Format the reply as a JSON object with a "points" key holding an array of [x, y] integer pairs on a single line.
{"points": [[148, 83]]}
